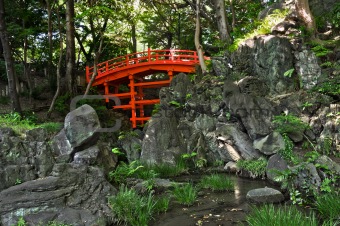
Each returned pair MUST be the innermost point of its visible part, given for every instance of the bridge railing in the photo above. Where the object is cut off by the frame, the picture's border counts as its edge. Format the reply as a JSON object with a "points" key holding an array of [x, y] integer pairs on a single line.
{"points": [[149, 56]]}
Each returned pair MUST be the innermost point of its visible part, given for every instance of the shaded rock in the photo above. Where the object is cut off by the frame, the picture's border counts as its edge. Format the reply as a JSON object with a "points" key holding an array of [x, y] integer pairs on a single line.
{"points": [[296, 136], [255, 113], [270, 144], [87, 157], [205, 123], [275, 162], [61, 146], [162, 142], [306, 175], [237, 139], [231, 167], [37, 134], [80, 188], [156, 184], [132, 147], [265, 195], [8, 132], [332, 166], [253, 86], [81, 126]]}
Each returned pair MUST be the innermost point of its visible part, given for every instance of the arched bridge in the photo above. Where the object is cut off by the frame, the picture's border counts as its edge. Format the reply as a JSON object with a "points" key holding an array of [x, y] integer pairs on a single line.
{"points": [[132, 69]]}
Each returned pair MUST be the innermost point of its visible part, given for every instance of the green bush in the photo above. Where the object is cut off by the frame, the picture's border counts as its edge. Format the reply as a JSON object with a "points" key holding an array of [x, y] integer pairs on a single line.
{"points": [[287, 123], [279, 216], [131, 208], [185, 194], [256, 167], [162, 204], [217, 182]]}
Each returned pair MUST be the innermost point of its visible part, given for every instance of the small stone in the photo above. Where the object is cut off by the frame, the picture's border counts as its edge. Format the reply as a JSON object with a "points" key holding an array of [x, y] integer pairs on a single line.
{"points": [[265, 195]]}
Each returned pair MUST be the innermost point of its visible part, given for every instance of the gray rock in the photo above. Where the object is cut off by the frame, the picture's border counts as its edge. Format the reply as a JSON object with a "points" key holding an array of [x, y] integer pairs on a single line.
{"points": [[87, 157], [37, 134], [253, 86], [81, 126], [265, 195], [162, 142], [306, 175], [332, 166], [205, 123], [237, 139], [6, 132], [132, 146], [270, 144], [275, 162], [231, 167], [255, 113], [82, 189], [60, 145]]}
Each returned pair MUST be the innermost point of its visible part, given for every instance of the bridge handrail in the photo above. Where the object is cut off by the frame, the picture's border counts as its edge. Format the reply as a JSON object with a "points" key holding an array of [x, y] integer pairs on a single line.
{"points": [[168, 55]]}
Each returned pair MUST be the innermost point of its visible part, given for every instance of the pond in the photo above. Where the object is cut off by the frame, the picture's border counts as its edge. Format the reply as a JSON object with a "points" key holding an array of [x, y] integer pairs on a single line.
{"points": [[211, 208]]}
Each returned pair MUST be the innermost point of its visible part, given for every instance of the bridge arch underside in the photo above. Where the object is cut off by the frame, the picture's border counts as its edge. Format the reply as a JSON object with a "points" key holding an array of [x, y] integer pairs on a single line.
{"points": [[134, 79]]}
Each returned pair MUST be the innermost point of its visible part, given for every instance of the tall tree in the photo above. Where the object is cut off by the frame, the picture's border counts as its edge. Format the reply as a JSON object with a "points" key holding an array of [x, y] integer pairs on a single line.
{"points": [[198, 45], [303, 10], [222, 23], [70, 49], [9, 61]]}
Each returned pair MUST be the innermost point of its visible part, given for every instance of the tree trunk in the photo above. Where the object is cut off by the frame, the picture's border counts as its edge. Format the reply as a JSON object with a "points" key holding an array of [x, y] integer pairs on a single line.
{"points": [[232, 8], [50, 41], [61, 44], [222, 22], [198, 45], [27, 69], [134, 38], [9, 61], [303, 10], [70, 49], [95, 70]]}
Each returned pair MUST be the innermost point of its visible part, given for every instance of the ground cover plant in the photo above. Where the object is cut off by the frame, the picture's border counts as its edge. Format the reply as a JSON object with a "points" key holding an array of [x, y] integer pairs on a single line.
{"points": [[217, 182]]}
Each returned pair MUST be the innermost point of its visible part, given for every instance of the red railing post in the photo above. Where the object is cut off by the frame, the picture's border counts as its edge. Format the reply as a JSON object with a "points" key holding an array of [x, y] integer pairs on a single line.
{"points": [[87, 74], [107, 66], [149, 54], [127, 60]]}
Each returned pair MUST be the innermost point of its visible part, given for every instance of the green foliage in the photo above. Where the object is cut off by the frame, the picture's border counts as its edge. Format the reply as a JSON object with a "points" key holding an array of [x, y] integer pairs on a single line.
{"points": [[320, 50], [131, 208], [185, 194], [61, 103], [124, 171], [329, 87], [217, 182], [256, 167], [156, 109], [117, 152], [175, 104], [287, 153], [162, 204], [167, 170], [51, 127], [328, 206], [18, 181], [326, 145], [127, 135], [289, 73], [21, 222], [279, 216], [287, 123], [264, 27]]}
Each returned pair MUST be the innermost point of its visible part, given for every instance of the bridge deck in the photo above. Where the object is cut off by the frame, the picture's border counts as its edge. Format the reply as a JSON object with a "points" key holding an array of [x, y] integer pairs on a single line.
{"points": [[132, 69]]}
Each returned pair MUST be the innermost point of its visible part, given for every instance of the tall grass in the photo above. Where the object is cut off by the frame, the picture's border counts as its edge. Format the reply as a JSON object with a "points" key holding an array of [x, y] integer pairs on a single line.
{"points": [[279, 216], [185, 194], [217, 182], [328, 206], [131, 208]]}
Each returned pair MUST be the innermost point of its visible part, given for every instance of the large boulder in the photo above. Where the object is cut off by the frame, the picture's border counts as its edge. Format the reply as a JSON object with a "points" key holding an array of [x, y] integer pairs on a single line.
{"points": [[265, 195], [81, 126], [61, 145], [255, 113], [162, 142], [73, 194], [270, 144], [275, 163]]}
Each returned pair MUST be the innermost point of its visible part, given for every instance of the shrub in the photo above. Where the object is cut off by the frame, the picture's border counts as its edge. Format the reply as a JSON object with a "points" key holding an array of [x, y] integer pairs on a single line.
{"points": [[256, 167], [131, 208], [217, 182], [162, 204], [287, 123], [185, 194], [276, 216]]}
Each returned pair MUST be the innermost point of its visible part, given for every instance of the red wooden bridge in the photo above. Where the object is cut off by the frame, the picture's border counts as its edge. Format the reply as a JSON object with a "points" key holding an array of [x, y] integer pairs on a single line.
{"points": [[132, 69]]}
